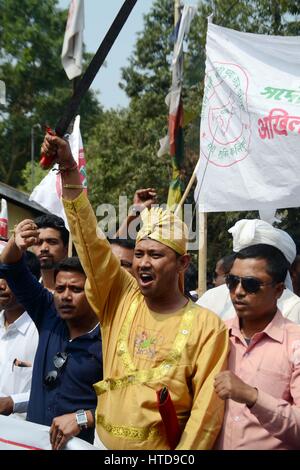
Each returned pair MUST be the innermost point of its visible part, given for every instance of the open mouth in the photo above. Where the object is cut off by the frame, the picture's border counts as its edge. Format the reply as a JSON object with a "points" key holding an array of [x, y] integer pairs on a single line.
{"points": [[146, 279]]}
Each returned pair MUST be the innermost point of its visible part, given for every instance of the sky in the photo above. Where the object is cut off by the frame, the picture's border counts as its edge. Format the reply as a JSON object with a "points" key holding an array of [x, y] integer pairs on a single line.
{"points": [[99, 14]]}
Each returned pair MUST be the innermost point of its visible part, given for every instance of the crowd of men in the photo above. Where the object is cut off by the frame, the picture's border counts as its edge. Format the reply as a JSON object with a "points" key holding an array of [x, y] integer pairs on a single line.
{"points": [[122, 349]]}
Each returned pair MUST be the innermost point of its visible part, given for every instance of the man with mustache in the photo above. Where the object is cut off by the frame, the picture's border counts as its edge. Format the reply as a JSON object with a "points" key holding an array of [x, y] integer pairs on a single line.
{"points": [[69, 354], [247, 232], [154, 338], [262, 384], [51, 246]]}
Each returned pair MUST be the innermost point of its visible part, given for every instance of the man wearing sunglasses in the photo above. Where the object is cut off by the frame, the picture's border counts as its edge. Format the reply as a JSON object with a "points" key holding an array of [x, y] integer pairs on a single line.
{"points": [[262, 385], [69, 355], [248, 232]]}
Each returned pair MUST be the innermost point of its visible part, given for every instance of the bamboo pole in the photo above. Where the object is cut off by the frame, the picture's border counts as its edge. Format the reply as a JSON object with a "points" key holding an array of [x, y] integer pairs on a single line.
{"points": [[202, 253], [177, 4], [187, 190], [70, 246]]}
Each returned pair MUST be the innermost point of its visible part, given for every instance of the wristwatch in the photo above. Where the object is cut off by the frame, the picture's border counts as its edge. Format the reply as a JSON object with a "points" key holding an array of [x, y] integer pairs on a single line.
{"points": [[81, 419]]}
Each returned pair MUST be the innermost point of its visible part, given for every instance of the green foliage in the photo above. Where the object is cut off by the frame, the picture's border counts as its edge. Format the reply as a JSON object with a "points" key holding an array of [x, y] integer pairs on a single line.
{"points": [[149, 67], [122, 150], [124, 144], [121, 145], [31, 175], [121, 159], [37, 89]]}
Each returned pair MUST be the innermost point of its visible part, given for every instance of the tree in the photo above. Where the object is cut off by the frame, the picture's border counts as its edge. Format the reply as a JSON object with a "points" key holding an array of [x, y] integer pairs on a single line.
{"points": [[124, 145], [122, 149], [37, 89], [31, 180]]}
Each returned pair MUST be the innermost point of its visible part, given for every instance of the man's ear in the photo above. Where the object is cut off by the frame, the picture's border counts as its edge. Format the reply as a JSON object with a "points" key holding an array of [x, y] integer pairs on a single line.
{"points": [[183, 262], [279, 288], [66, 249]]}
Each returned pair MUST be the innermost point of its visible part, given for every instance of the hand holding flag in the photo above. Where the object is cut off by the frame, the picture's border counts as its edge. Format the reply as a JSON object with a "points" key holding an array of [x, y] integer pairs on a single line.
{"points": [[48, 192]]}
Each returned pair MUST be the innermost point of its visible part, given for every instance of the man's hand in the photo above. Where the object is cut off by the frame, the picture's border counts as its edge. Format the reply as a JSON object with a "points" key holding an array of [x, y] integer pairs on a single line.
{"points": [[62, 429], [228, 385], [6, 406], [145, 198], [26, 234], [58, 149]]}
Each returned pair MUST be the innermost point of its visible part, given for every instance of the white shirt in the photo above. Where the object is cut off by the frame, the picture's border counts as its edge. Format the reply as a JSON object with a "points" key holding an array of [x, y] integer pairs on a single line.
{"points": [[218, 300], [18, 341]]}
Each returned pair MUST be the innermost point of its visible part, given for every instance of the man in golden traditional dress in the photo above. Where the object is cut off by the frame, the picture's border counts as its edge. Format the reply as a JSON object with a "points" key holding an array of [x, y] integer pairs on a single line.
{"points": [[153, 336]]}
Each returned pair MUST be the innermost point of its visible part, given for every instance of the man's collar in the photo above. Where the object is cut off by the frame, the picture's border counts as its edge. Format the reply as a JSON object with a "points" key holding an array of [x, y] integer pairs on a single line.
{"points": [[21, 324], [274, 329]]}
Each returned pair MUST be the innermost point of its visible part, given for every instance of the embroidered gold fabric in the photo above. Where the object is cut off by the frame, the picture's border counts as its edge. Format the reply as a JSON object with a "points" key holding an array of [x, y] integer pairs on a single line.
{"points": [[187, 367], [128, 432], [79, 203], [135, 376]]}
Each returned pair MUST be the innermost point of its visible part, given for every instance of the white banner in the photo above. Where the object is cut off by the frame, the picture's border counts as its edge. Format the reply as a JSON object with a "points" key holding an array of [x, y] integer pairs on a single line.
{"points": [[250, 123], [71, 56], [16, 434], [48, 192]]}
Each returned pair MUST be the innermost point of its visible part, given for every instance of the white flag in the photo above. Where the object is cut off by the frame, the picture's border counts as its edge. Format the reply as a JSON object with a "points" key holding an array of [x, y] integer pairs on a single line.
{"points": [[250, 123], [3, 219], [48, 192], [71, 56]]}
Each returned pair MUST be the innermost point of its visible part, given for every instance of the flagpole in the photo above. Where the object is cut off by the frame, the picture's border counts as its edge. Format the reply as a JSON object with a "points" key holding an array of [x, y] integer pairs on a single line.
{"points": [[202, 253], [202, 217], [177, 5], [187, 190]]}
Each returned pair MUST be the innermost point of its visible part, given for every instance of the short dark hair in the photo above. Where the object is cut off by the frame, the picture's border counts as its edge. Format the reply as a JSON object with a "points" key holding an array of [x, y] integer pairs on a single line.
{"points": [[277, 264], [53, 221], [227, 262], [190, 278], [70, 265], [33, 264], [123, 242]]}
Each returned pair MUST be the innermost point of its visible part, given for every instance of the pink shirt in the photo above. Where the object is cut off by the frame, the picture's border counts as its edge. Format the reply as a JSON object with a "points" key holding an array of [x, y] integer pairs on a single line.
{"points": [[271, 363]]}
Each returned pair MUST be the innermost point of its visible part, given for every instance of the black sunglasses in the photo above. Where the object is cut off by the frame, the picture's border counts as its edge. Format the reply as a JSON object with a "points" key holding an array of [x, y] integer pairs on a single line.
{"points": [[249, 284], [59, 362]]}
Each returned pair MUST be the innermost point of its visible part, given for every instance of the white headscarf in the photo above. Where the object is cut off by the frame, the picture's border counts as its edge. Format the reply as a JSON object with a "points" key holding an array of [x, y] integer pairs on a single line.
{"points": [[252, 232]]}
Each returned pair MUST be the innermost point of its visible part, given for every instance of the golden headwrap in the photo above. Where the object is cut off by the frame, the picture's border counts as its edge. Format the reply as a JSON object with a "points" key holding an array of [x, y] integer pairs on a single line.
{"points": [[164, 227]]}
